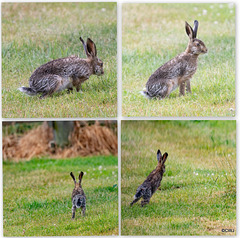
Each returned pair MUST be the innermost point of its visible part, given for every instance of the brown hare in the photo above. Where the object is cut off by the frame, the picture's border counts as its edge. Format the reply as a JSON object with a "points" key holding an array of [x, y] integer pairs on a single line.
{"points": [[152, 182], [65, 73], [78, 196], [179, 70]]}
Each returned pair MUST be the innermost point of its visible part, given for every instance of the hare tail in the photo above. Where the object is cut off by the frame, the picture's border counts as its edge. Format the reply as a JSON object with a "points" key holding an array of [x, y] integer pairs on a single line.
{"points": [[28, 91], [145, 94], [138, 194], [79, 201]]}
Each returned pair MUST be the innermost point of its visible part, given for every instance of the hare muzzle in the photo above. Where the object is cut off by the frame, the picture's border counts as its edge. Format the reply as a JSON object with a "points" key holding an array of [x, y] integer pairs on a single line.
{"points": [[99, 71], [204, 50]]}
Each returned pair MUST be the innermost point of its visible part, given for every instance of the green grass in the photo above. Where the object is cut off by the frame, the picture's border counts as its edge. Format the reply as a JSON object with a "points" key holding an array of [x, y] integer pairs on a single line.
{"points": [[37, 197], [198, 189], [155, 33], [35, 33]]}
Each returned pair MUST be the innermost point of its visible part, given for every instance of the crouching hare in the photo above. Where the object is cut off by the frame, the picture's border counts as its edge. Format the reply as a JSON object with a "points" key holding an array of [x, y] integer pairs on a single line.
{"points": [[152, 182], [179, 70], [78, 196], [65, 73]]}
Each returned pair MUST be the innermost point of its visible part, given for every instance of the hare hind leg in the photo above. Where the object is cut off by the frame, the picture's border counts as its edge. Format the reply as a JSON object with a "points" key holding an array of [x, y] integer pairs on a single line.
{"points": [[168, 88], [146, 197], [134, 201], [145, 202], [43, 95], [160, 90], [83, 211], [48, 85], [74, 208]]}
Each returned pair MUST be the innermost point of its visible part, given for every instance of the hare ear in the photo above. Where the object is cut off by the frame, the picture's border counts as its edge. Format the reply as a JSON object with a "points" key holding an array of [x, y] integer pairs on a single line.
{"points": [[164, 158], [80, 177], [73, 177], [85, 47], [91, 47], [159, 155], [189, 31], [195, 28]]}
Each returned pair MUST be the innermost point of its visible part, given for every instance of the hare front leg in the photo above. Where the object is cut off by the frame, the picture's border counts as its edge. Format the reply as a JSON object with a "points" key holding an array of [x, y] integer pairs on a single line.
{"points": [[188, 86], [182, 89], [146, 197], [69, 90], [74, 208], [79, 88]]}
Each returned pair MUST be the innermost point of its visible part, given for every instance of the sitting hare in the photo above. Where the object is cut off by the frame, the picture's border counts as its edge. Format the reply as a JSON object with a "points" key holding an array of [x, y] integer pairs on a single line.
{"points": [[179, 70], [153, 181], [78, 196], [65, 73]]}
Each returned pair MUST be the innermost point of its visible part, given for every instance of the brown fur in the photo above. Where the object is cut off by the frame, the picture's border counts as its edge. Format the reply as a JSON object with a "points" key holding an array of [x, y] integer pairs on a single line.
{"points": [[65, 73], [152, 182], [178, 71], [78, 196]]}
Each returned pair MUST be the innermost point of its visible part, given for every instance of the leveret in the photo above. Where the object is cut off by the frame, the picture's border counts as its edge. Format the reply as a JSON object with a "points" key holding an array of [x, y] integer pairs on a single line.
{"points": [[178, 71], [78, 196], [65, 73], [152, 182]]}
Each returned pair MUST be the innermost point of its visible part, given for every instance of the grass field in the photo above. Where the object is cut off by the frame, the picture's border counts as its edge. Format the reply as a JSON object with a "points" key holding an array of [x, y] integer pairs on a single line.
{"points": [[155, 33], [198, 189], [37, 197], [35, 33]]}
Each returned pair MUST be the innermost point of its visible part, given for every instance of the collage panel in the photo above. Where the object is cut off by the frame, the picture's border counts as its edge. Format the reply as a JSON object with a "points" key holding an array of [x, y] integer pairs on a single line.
{"points": [[178, 59], [62, 53], [178, 178], [60, 178]]}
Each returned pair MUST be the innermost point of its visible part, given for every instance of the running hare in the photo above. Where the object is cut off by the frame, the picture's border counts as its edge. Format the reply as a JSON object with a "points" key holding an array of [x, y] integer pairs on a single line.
{"points": [[153, 181], [65, 73], [78, 196], [179, 70]]}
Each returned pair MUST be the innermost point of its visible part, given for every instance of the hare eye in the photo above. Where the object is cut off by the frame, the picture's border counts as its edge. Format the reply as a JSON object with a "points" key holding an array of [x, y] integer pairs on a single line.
{"points": [[198, 44], [101, 64]]}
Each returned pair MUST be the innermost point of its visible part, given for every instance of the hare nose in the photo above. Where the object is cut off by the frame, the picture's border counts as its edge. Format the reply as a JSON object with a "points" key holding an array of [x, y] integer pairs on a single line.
{"points": [[205, 50]]}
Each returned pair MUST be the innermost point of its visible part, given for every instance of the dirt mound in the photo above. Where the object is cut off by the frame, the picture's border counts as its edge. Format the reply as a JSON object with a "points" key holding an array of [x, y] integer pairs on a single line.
{"points": [[84, 141]]}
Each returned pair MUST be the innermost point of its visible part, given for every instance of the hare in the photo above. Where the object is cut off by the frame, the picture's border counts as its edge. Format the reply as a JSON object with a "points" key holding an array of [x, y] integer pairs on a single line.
{"points": [[153, 181], [178, 71], [78, 196], [65, 73]]}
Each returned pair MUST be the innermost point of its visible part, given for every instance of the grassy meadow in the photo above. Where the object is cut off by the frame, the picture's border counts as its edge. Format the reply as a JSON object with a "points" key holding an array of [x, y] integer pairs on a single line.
{"points": [[198, 189], [35, 33], [155, 33], [37, 197]]}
